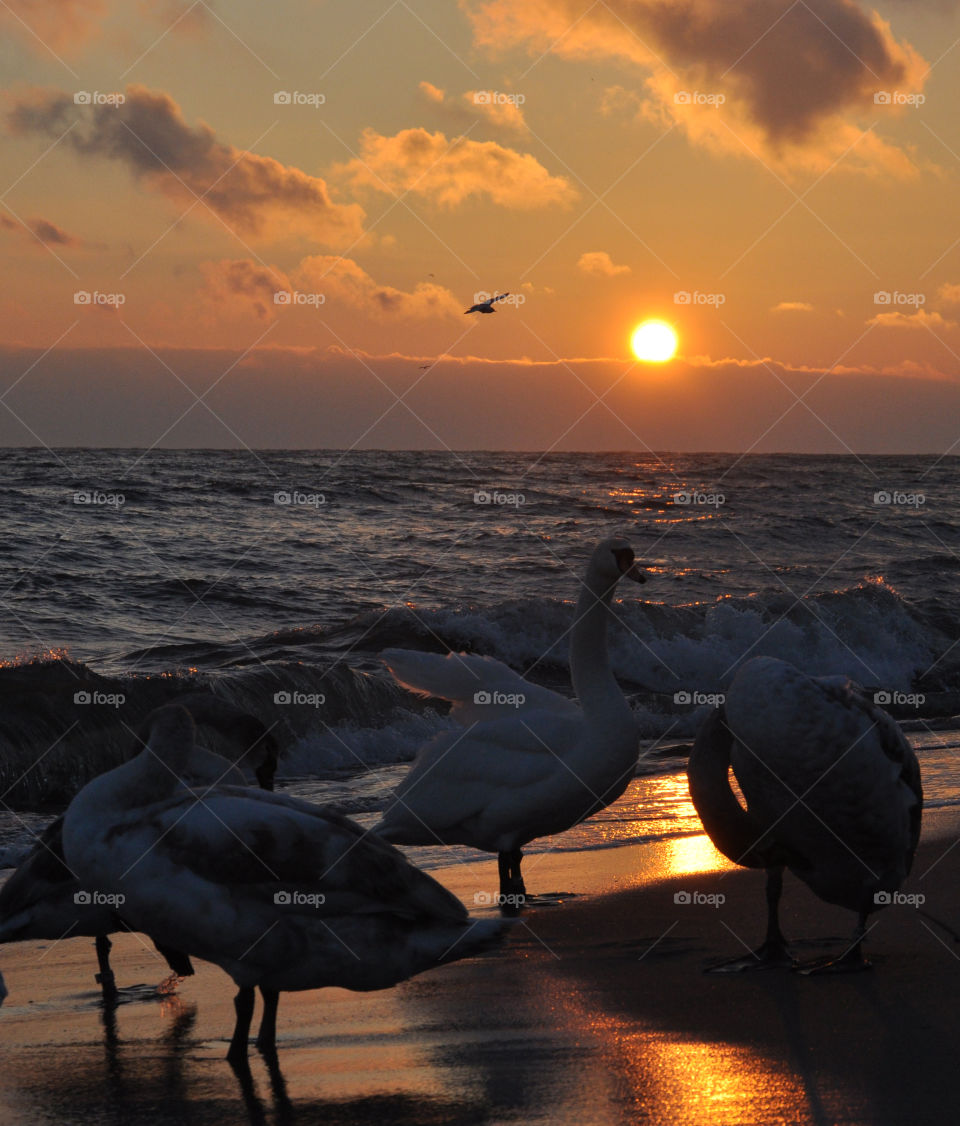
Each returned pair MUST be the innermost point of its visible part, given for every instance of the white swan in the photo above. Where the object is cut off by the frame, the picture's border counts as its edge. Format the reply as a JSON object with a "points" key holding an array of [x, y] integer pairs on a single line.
{"points": [[832, 790], [43, 899], [279, 893], [531, 762]]}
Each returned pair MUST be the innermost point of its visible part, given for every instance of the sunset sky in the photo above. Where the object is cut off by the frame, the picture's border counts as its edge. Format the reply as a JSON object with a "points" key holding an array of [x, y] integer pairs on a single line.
{"points": [[754, 173]]}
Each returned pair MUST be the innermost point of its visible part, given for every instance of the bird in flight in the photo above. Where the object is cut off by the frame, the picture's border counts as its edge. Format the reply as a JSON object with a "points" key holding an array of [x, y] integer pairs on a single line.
{"points": [[486, 306]]}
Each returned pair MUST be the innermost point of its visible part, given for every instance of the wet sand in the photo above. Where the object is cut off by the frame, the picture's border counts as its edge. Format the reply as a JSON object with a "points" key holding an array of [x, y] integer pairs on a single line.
{"points": [[595, 1011]]}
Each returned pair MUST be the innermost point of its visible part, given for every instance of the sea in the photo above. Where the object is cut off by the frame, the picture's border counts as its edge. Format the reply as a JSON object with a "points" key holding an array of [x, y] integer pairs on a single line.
{"points": [[276, 578]]}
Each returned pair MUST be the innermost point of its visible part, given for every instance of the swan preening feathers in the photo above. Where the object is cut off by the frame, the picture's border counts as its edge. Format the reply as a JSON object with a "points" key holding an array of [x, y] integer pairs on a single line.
{"points": [[832, 790], [281, 894], [44, 899], [530, 762]]}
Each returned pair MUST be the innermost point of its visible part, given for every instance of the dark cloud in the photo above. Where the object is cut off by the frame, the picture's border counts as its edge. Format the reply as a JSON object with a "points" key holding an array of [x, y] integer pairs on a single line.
{"points": [[48, 233], [147, 132], [788, 70]]}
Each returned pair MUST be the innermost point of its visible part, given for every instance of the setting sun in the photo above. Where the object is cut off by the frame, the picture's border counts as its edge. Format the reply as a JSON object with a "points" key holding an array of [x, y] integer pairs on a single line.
{"points": [[653, 342]]}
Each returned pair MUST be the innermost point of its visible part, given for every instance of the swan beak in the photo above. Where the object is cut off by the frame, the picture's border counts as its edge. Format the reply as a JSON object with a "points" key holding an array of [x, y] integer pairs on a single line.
{"points": [[634, 572]]}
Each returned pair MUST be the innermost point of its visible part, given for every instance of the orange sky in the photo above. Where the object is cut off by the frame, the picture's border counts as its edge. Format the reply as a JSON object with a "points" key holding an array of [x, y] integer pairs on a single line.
{"points": [[777, 179]]}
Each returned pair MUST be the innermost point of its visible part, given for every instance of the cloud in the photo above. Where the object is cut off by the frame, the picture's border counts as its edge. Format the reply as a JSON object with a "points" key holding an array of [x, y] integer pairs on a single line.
{"points": [[257, 195], [432, 93], [342, 279], [949, 293], [450, 171], [788, 81], [41, 230], [792, 307], [63, 26], [599, 264], [300, 398], [240, 284], [920, 319], [492, 107]]}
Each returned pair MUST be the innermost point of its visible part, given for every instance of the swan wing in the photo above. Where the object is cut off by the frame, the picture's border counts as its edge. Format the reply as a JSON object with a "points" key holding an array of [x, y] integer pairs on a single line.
{"points": [[479, 688], [240, 842], [493, 780]]}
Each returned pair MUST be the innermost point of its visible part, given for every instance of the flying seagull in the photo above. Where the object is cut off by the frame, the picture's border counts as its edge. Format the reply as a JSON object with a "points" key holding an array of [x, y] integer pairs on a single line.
{"points": [[486, 306]]}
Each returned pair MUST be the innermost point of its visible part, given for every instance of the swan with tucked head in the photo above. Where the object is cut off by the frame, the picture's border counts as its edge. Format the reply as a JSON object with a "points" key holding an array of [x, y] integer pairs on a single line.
{"points": [[43, 899], [532, 762], [281, 894], [832, 790]]}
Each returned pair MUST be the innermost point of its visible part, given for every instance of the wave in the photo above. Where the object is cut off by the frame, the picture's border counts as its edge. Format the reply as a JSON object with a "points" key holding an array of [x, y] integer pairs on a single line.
{"points": [[335, 711]]}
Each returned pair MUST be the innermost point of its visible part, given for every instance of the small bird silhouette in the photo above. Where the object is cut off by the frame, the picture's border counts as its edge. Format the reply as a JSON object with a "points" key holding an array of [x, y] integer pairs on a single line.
{"points": [[486, 306]]}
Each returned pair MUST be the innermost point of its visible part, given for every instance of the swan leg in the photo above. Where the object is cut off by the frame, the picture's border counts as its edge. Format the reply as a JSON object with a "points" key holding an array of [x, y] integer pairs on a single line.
{"points": [[105, 978], [511, 881], [267, 1037], [243, 1004], [850, 961], [774, 953]]}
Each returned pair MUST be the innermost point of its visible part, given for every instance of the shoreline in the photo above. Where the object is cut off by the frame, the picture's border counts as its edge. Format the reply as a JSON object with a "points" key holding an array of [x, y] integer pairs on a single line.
{"points": [[595, 1010]]}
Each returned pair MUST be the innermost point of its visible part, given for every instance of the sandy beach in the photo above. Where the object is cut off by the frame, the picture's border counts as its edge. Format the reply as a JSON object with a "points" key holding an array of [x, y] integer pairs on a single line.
{"points": [[595, 1011]]}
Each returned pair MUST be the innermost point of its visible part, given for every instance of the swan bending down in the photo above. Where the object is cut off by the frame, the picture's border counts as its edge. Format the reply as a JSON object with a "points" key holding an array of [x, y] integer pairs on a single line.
{"points": [[281, 894], [832, 790], [43, 899], [531, 762]]}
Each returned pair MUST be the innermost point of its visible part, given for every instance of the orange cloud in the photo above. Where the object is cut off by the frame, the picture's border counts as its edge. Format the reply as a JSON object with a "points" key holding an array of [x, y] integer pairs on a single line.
{"points": [[493, 107], [792, 307], [600, 264], [342, 279], [62, 26], [240, 285], [147, 132], [788, 82], [920, 319], [450, 171]]}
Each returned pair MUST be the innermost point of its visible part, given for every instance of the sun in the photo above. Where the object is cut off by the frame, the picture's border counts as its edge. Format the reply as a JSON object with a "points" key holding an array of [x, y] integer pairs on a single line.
{"points": [[654, 342]]}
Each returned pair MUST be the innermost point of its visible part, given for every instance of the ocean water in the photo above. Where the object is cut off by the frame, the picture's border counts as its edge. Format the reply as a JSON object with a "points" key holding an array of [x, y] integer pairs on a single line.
{"points": [[132, 576]]}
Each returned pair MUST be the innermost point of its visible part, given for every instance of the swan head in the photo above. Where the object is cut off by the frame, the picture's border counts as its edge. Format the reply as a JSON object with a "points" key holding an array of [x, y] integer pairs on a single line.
{"points": [[612, 560], [172, 734]]}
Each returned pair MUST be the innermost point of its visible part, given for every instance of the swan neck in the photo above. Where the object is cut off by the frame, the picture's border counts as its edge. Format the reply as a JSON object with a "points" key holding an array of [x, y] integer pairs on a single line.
{"points": [[732, 829], [593, 679]]}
